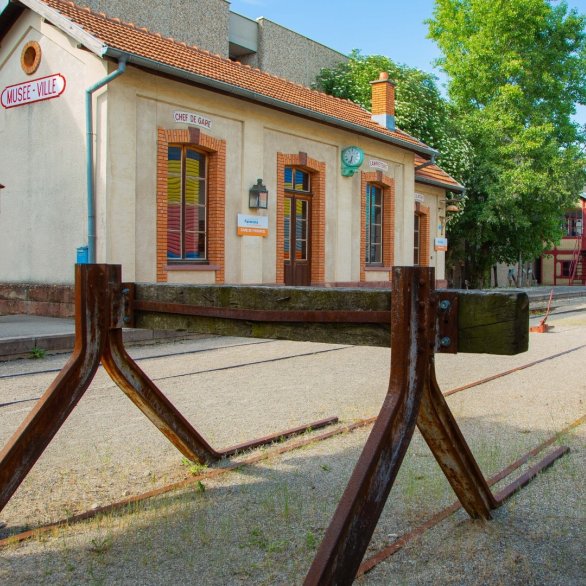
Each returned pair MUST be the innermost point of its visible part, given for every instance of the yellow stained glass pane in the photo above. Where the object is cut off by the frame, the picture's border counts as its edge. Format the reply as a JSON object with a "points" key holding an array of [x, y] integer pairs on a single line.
{"points": [[174, 190], [192, 191], [193, 167]]}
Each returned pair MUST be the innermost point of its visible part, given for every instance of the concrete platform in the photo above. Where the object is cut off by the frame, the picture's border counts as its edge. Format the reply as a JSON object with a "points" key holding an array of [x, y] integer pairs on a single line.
{"points": [[21, 335]]}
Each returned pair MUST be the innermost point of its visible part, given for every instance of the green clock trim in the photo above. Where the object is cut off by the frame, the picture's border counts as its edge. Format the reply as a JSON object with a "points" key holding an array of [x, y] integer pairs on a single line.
{"points": [[352, 157]]}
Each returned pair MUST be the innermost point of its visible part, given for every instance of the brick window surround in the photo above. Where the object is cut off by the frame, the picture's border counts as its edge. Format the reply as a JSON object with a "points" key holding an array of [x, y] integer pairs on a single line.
{"points": [[216, 151], [423, 213], [387, 185], [317, 170]]}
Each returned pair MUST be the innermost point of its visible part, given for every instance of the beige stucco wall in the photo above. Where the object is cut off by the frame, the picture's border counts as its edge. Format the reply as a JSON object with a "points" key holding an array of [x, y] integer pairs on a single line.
{"points": [[434, 198], [43, 210], [139, 104]]}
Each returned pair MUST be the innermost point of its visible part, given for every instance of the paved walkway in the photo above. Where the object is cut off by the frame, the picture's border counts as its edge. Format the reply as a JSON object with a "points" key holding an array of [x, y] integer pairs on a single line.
{"points": [[22, 334]]}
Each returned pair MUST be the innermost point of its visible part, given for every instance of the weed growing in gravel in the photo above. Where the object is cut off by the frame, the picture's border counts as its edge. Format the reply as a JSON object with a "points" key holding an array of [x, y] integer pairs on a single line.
{"points": [[194, 468], [310, 540], [257, 538], [101, 545], [38, 353]]}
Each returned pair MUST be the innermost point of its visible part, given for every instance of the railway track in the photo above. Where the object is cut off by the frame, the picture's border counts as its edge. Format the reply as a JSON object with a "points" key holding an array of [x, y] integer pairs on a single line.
{"points": [[299, 443]]}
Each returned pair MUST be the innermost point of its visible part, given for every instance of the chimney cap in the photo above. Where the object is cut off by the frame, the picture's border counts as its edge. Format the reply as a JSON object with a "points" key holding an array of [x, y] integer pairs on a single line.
{"points": [[383, 77]]}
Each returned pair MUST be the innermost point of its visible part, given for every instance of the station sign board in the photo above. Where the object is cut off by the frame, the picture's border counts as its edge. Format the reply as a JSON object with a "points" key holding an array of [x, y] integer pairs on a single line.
{"points": [[253, 225], [35, 90]]}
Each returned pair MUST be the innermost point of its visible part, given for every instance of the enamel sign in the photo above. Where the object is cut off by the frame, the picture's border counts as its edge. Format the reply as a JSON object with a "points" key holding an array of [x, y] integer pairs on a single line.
{"points": [[253, 225], [36, 90], [375, 164], [440, 244], [192, 118]]}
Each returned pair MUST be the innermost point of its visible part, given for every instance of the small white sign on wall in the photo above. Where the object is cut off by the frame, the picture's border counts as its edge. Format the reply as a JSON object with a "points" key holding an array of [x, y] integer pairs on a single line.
{"points": [[253, 225], [375, 164], [192, 118], [440, 244]]}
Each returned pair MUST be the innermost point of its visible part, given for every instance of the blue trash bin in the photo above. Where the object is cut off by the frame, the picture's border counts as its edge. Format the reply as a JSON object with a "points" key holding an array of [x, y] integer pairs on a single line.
{"points": [[82, 255]]}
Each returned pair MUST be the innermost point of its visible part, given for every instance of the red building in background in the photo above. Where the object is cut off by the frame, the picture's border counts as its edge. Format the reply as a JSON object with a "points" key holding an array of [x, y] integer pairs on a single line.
{"points": [[566, 263]]}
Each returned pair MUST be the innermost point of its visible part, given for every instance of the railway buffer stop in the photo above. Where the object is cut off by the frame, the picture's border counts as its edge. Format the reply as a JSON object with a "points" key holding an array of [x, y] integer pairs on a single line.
{"points": [[414, 318]]}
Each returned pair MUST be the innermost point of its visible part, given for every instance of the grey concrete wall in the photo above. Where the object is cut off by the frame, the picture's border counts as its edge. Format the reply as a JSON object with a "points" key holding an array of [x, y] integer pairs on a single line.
{"points": [[204, 23], [290, 55]]}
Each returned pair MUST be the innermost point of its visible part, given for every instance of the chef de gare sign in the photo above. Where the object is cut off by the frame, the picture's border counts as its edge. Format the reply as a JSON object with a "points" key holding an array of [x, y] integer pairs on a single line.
{"points": [[36, 90]]}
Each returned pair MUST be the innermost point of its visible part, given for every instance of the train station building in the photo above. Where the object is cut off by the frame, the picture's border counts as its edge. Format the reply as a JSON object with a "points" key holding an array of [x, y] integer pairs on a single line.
{"points": [[121, 145]]}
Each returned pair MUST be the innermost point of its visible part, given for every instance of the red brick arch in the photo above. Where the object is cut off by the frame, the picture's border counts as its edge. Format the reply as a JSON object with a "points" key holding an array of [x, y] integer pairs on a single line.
{"points": [[216, 150], [387, 184]]}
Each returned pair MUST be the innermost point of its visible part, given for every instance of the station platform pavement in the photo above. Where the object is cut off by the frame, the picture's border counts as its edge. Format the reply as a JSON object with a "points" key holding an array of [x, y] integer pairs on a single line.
{"points": [[22, 335]]}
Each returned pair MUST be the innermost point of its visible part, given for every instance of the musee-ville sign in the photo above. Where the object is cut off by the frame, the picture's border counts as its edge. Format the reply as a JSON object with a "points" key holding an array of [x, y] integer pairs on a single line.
{"points": [[35, 90]]}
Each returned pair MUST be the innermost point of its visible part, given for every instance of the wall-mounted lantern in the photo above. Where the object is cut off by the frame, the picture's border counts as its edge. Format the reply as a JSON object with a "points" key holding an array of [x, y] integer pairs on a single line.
{"points": [[258, 196]]}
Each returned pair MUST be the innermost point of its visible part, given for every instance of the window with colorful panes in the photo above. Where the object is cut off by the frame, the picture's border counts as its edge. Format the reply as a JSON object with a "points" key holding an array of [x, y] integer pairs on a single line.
{"points": [[296, 212], [186, 204]]}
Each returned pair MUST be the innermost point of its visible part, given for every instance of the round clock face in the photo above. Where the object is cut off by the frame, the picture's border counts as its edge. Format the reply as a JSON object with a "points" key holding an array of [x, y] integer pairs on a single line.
{"points": [[353, 156]]}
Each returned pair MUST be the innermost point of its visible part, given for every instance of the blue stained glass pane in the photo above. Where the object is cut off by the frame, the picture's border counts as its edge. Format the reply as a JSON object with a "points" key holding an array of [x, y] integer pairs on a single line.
{"points": [[174, 153], [288, 178]]}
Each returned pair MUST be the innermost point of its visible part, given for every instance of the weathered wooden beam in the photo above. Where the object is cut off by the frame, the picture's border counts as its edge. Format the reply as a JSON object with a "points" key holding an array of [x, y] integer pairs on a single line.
{"points": [[488, 322]]}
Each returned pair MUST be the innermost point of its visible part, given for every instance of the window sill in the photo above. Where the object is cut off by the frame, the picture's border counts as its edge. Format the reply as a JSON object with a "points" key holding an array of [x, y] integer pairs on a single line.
{"points": [[375, 268], [192, 267]]}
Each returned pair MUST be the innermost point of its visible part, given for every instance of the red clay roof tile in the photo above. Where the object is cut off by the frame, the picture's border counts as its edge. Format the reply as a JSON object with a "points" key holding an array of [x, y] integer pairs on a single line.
{"points": [[436, 175], [141, 42]]}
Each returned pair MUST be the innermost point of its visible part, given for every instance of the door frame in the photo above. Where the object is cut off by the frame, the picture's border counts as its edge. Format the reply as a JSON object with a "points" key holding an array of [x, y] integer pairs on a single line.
{"points": [[305, 265], [317, 170]]}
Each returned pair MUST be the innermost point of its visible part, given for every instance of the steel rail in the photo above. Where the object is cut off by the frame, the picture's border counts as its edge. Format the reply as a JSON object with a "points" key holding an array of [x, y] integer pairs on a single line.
{"points": [[507, 492], [291, 356], [267, 455], [208, 474], [99, 316], [510, 371], [142, 358], [208, 370]]}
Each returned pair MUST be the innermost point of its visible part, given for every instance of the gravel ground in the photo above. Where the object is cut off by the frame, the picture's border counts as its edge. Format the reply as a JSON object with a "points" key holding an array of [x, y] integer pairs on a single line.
{"points": [[262, 524]]}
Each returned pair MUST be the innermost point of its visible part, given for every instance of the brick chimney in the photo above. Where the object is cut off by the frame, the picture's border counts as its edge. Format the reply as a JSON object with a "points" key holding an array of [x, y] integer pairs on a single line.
{"points": [[383, 101]]}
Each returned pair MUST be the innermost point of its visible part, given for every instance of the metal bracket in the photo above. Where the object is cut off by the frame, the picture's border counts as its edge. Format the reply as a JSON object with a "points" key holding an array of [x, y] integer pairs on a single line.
{"points": [[447, 322]]}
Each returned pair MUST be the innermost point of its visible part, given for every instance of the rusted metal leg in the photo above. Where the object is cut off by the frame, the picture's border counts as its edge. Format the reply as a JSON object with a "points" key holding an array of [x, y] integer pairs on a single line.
{"points": [[40, 426], [153, 403], [412, 341], [442, 434]]}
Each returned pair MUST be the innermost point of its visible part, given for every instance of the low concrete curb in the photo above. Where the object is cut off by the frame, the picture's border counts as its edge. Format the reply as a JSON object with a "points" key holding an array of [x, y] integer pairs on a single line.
{"points": [[25, 346]]}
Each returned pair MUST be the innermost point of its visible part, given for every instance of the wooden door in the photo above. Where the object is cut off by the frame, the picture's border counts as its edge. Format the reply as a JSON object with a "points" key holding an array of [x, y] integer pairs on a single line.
{"points": [[297, 244]]}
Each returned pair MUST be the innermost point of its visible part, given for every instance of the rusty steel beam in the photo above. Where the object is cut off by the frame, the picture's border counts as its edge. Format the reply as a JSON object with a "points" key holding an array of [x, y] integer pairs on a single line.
{"points": [[40, 426], [267, 315], [412, 340], [101, 304], [444, 438]]}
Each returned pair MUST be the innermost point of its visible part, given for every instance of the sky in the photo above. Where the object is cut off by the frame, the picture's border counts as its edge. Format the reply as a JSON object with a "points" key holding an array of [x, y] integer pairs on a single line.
{"points": [[394, 28]]}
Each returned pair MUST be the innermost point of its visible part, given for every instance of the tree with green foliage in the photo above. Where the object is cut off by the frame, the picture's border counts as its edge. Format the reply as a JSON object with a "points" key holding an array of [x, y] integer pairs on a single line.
{"points": [[420, 109], [517, 69]]}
